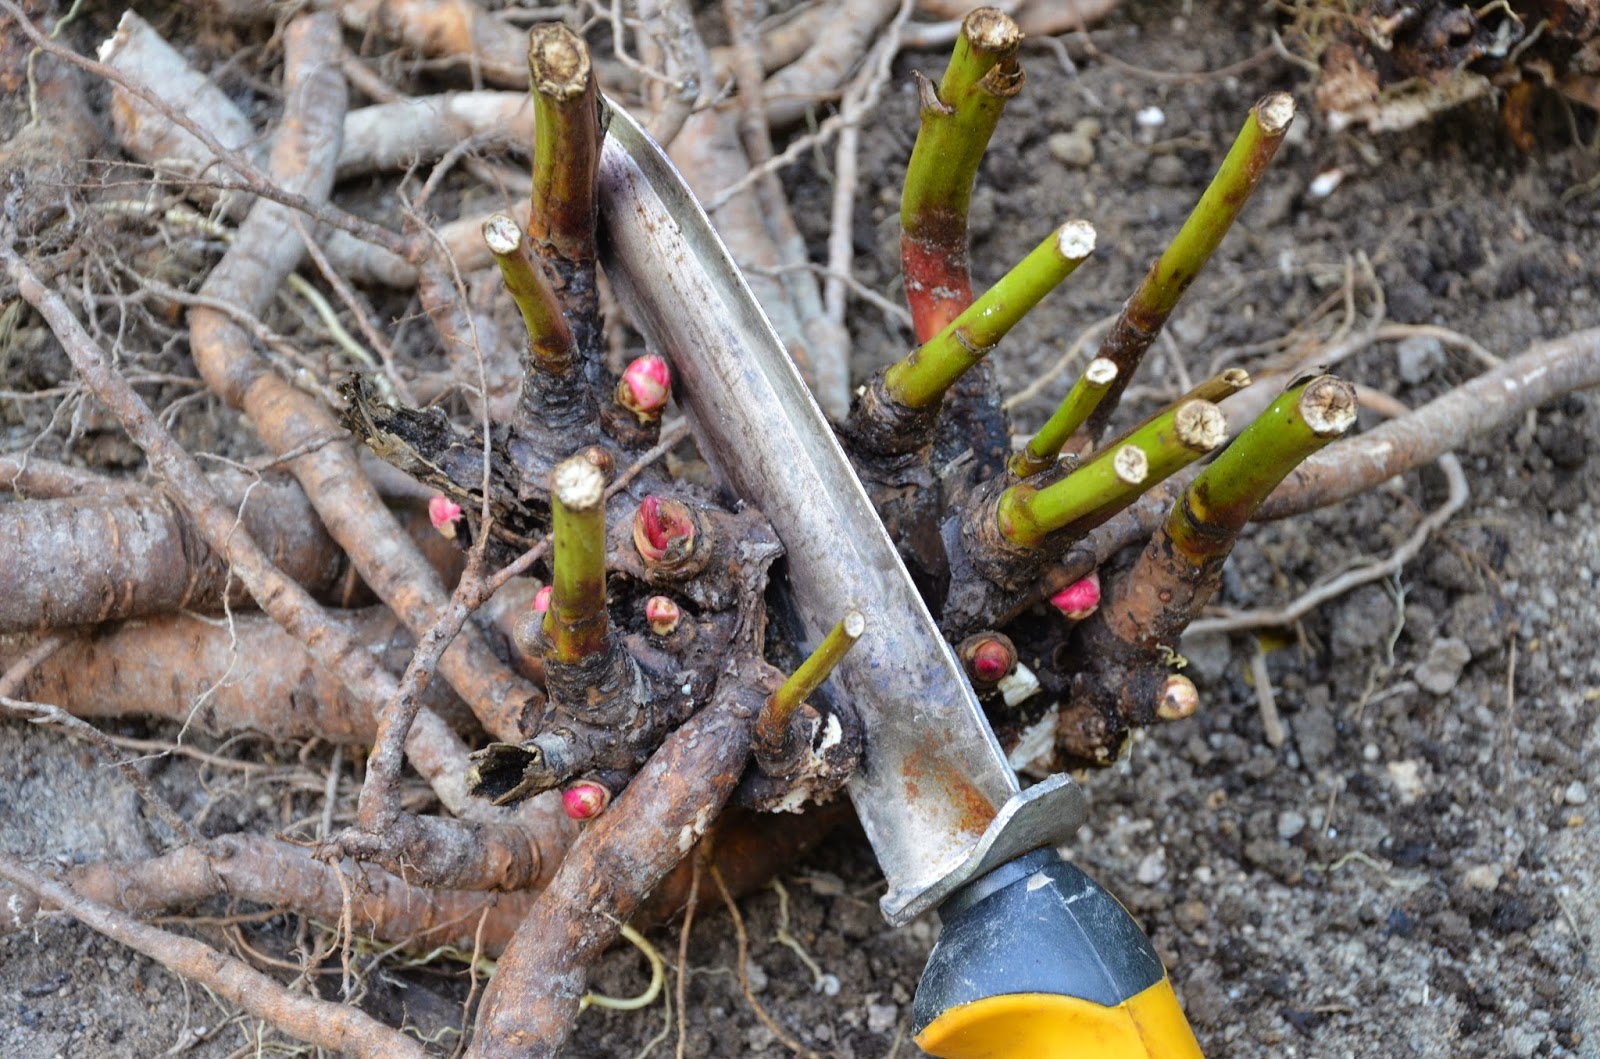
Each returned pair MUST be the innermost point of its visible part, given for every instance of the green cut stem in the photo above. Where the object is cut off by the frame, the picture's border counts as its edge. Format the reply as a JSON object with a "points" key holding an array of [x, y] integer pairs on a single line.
{"points": [[1042, 449], [1215, 389], [1147, 310], [1220, 386], [920, 380], [566, 141], [1206, 521], [566, 164], [549, 338], [780, 707], [958, 118], [1108, 482], [575, 625]]}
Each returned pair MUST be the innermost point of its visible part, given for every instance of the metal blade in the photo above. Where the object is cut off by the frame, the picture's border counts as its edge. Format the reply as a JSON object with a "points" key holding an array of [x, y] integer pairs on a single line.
{"points": [[939, 802]]}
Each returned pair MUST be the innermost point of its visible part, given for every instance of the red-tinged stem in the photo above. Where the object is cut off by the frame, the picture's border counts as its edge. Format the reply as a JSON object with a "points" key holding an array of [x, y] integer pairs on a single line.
{"points": [[957, 120]]}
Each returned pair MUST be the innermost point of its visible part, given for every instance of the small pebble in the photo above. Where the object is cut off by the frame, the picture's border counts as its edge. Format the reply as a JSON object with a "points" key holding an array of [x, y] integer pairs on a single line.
{"points": [[881, 1018], [1419, 357], [1071, 149], [1151, 118], [1577, 793], [1440, 671], [1191, 916], [1407, 779], [1325, 183], [1482, 877], [1210, 655], [1168, 171], [1153, 868], [756, 976], [1290, 824]]}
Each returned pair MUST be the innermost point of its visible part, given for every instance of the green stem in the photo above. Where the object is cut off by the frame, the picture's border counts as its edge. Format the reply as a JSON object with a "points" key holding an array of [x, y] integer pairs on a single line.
{"points": [[1215, 389], [921, 379], [1147, 310], [566, 160], [1220, 386], [780, 707], [549, 338], [1114, 478], [957, 121], [575, 624], [1043, 448], [1206, 521]]}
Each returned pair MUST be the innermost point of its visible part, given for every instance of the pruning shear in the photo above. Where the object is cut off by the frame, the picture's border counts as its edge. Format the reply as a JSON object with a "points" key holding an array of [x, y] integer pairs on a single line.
{"points": [[1035, 959]]}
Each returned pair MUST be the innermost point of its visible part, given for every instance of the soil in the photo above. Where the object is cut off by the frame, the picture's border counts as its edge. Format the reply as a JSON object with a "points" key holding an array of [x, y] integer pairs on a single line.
{"points": [[1412, 873]]}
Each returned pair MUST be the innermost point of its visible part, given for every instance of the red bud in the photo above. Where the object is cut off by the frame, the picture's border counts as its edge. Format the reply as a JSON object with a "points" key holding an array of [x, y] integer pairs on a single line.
{"points": [[990, 657], [585, 800], [663, 531], [444, 514], [645, 386], [541, 599], [1078, 600], [662, 614]]}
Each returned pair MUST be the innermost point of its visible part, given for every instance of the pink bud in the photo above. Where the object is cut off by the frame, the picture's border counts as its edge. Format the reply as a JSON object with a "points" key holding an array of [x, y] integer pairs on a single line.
{"points": [[444, 514], [585, 800], [541, 599], [990, 657], [663, 531], [1078, 600], [645, 386], [662, 614]]}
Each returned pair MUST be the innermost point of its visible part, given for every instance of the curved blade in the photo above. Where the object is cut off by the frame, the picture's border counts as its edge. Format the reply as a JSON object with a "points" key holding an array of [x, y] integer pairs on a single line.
{"points": [[935, 794]]}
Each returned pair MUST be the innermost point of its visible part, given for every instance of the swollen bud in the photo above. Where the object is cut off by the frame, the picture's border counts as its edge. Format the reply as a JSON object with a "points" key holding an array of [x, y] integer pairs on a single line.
{"points": [[444, 514], [664, 532], [990, 657], [584, 800], [1179, 699], [1078, 600], [541, 599], [644, 387], [662, 614]]}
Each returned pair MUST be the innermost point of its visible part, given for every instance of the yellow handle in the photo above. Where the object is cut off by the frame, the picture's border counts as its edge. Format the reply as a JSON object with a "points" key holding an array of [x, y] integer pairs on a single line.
{"points": [[1147, 1025]]}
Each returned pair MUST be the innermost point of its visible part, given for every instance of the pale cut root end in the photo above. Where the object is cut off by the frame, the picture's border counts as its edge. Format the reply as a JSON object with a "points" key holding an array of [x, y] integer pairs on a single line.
{"points": [[579, 485], [1200, 425], [558, 63], [1131, 465], [1075, 240], [992, 31], [1100, 372], [501, 234], [1275, 112], [1328, 406]]}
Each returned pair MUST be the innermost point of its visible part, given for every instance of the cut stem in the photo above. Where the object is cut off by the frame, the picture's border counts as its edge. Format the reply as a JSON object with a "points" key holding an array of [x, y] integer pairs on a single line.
{"points": [[782, 704], [566, 157], [1114, 478], [575, 624], [550, 348], [921, 379], [1147, 310], [1126, 681], [1043, 448], [1217, 388], [957, 121], [1207, 519]]}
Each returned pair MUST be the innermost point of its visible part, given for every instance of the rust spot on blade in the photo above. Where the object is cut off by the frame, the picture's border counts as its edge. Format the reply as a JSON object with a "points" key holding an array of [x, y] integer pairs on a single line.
{"points": [[960, 804]]}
